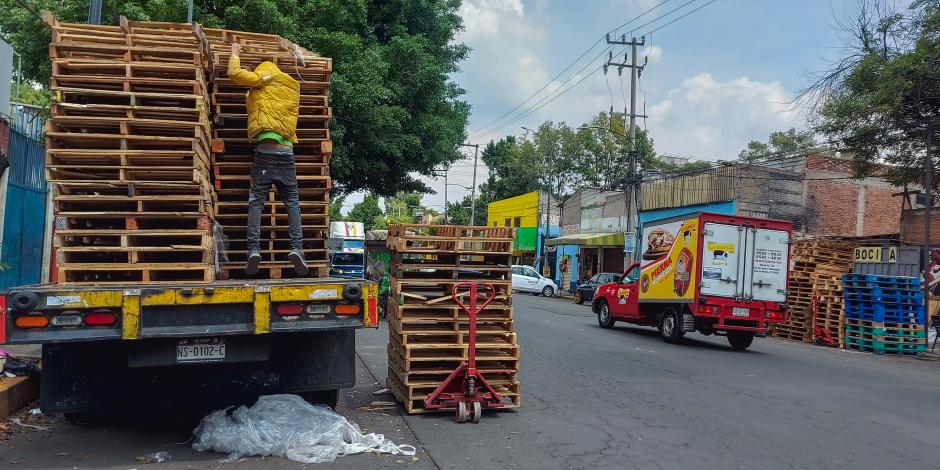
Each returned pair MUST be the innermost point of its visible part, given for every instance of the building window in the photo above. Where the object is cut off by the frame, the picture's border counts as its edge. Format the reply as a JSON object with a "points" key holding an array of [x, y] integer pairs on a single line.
{"points": [[517, 222], [506, 222]]}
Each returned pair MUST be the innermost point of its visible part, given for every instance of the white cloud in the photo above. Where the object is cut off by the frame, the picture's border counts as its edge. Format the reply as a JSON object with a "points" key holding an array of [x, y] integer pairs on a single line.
{"points": [[708, 118], [653, 53]]}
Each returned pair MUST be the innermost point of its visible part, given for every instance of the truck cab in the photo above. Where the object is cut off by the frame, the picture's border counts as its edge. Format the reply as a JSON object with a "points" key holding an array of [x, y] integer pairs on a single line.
{"points": [[710, 273]]}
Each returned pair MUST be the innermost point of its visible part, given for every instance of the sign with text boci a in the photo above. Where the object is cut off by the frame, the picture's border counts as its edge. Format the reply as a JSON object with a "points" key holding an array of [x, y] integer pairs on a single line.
{"points": [[876, 254]]}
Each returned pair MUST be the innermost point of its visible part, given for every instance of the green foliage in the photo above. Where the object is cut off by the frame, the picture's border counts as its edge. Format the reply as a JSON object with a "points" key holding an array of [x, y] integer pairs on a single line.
{"points": [[367, 211], [336, 208], [780, 145], [397, 113], [404, 208], [881, 92], [28, 94]]}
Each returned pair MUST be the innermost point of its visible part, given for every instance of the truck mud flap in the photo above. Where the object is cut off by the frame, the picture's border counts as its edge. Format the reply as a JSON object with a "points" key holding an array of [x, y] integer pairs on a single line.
{"points": [[329, 360]]}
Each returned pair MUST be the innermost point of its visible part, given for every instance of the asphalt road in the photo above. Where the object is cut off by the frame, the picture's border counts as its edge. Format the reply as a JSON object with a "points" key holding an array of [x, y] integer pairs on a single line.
{"points": [[594, 398]]}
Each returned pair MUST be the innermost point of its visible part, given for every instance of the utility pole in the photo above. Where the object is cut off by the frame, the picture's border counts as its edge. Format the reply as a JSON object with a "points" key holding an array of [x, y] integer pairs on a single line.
{"points": [[473, 187], [94, 12], [928, 188], [633, 211], [445, 197], [189, 12]]}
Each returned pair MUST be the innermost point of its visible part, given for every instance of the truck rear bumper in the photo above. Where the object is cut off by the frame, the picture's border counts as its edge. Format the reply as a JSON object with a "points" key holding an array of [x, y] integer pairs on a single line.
{"points": [[109, 375]]}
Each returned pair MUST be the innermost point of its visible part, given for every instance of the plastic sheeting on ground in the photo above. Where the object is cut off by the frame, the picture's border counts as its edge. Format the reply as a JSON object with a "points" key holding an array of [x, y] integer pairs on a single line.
{"points": [[288, 426]]}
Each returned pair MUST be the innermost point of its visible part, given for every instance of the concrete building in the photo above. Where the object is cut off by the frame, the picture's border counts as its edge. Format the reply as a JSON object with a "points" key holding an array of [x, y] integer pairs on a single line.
{"points": [[526, 212]]}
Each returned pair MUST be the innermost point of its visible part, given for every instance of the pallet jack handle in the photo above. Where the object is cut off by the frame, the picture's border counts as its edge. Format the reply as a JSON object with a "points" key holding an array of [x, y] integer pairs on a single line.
{"points": [[472, 310]]}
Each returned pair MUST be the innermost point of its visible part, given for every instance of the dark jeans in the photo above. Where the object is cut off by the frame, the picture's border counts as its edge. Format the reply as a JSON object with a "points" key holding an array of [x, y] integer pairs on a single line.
{"points": [[277, 168]]}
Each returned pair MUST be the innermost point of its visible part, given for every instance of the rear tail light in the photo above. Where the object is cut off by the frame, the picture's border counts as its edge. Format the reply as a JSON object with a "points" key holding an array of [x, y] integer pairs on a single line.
{"points": [[710, 309], [100, 318], [289, 310], [66, 319], [32, 321], [348, 309]]}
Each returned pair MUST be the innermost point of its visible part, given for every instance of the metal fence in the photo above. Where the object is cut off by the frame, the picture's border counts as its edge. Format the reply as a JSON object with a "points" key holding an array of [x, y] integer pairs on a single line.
{"points": [[28, 120]]}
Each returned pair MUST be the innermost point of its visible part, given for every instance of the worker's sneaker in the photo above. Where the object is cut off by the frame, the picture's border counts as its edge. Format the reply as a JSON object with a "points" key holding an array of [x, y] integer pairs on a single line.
{"points": [[254, 259], [296, 256]]}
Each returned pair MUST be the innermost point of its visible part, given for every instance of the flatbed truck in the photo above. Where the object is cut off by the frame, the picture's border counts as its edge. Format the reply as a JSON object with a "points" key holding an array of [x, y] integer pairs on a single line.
{"points": [[103, 345]]}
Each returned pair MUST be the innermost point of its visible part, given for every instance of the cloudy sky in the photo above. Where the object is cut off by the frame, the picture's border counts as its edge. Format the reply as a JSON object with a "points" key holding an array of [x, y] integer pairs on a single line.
{"points": [[716, 79]]}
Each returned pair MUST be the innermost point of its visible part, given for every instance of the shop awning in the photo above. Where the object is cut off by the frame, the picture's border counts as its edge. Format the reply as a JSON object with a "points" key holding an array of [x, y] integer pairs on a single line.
{"points": [[589, 239]]}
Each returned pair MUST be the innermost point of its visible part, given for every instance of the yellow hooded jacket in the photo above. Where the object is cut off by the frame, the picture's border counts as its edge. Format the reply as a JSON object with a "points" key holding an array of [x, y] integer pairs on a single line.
{"points": [[273, 100]]}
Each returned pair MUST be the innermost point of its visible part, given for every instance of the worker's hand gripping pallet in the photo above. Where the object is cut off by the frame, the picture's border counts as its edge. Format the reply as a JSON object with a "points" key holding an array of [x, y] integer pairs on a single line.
{"points": [[233, 154], [128, 152], [428, 331]]}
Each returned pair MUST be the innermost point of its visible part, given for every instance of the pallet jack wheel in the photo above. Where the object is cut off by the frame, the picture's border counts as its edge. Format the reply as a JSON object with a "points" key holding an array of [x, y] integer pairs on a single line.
{"points": [[477, 413], [461, 412]]}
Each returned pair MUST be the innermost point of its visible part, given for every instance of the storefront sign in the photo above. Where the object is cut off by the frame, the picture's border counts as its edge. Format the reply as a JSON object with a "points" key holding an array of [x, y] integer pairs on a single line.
{"points": [[629, 242], [873, 254]]}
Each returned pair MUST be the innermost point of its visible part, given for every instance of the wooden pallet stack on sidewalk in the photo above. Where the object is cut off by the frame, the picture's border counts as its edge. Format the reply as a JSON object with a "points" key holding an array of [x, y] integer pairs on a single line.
{"points": [[818, 266], [428, 331], [128, 153], [884, 314], [232, 157]]}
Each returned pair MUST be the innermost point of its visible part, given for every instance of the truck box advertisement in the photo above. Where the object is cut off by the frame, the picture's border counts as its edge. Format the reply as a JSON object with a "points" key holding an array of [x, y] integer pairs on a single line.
{"points": [[669, 260]]}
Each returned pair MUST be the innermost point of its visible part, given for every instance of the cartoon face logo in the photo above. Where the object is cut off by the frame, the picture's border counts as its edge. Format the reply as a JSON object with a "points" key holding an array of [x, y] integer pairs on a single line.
{"points": [[622, 295]]}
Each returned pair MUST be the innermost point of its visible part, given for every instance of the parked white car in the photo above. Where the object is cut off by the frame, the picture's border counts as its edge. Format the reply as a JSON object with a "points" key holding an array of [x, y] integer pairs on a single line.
{"points": [[527, 279]]}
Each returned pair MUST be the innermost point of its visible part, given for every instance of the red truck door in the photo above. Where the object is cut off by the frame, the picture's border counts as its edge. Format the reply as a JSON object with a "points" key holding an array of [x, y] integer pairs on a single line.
{"points": [[624, 297]]}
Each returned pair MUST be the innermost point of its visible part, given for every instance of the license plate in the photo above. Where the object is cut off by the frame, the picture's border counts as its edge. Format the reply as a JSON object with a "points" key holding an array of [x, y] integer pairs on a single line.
{"points": [[741, 311], [200, 350]]}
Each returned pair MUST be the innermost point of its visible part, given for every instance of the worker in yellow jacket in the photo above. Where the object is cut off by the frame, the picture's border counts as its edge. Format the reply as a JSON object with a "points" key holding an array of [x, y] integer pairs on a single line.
{"points": [[273, 105]]}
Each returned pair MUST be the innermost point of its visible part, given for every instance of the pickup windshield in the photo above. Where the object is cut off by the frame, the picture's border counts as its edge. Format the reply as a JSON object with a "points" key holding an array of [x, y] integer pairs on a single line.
{"points": [[347, 259]]}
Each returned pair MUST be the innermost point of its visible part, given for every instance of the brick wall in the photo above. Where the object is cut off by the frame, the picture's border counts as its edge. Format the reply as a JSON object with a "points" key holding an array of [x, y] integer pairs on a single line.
{"points": [[912, 226], [769, 193], [850, 208]]}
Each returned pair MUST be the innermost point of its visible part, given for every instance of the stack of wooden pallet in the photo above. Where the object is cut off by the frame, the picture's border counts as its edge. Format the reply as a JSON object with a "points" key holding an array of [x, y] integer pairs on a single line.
{"points": [[818, 266], [232, 155], [884, 314], [128, 147], [428, 331]]}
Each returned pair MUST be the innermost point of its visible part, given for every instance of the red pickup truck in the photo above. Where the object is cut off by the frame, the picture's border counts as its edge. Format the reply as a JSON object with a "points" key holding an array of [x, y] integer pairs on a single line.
{"points": [[711, 273]]}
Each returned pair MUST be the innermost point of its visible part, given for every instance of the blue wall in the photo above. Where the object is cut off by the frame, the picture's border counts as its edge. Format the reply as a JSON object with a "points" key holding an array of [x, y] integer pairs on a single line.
{"points": [[727, 207], [24, 215], [573, 251], [554, 231]]}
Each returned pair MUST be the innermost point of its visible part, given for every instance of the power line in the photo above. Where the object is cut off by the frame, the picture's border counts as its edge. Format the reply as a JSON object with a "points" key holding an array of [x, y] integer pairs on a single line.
{"points": [[550, 98], [683, 16], [568, 67]]}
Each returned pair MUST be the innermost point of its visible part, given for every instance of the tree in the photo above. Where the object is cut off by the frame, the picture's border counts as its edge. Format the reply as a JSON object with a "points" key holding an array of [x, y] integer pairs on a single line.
{"points": [[366, 211], [30, 94], [877, 98], [398, 114], [780, 145], [336, 208]]}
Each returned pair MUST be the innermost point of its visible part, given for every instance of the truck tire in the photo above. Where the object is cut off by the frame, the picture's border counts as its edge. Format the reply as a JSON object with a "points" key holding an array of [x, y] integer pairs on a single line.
{"points": [[322, 397], [604, 318], [670, 325], [740, 340]]}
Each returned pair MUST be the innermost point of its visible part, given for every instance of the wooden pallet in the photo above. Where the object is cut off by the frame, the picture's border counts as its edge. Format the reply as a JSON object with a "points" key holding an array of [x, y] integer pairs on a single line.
{"points": [[272, 270]]}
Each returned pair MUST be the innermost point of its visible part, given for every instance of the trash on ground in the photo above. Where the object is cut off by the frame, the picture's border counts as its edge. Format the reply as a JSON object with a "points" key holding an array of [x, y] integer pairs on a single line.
{"points": [[287, 426], [155, 457], [382, 392], [35, 411], [31, 426]]}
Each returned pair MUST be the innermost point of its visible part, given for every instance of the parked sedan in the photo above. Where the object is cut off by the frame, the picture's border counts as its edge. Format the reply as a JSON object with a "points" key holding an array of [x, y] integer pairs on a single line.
{"points": [[586, 289], [527, 279]]}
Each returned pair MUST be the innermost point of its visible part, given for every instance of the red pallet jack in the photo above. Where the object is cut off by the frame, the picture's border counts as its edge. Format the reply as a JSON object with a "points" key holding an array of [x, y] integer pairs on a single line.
{"points": [[821, 335], [465, 388]]}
